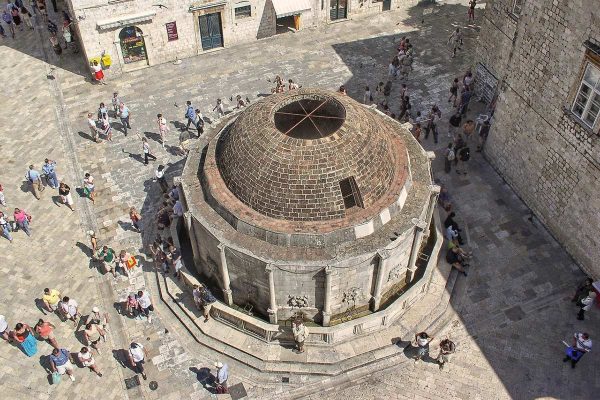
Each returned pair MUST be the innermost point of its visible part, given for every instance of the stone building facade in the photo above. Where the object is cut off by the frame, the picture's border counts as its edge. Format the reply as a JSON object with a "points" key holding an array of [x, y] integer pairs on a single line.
{"points": [[540, 68], [141, 33], [323, 214]]}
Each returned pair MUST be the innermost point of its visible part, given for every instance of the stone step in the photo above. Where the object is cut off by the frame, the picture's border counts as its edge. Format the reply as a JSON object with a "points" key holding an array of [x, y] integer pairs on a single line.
{"points": [[382, 347]]}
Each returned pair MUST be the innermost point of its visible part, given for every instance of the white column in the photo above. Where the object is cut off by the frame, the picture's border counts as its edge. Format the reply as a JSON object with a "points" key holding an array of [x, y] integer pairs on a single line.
{"points": [[272, 300], [327, 301], [384, 256], [420, 228], [225, 275]]}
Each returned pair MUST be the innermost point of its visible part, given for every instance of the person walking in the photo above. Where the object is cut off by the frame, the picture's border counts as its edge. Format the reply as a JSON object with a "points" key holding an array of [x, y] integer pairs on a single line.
{"points": [[447, 347], [454, 41], [432, 118], [51, 298], [465, 98], [93, 241], [367, 96], [135, 218], [405, 108], [45, 330], [586, 304], [8, 19], [423, 340], [471, 10], [454, 124], [22, 219], [463, 155], [582, 290], [449, 156], [35, 181], [61, 363], [107, 256], [484, 131], [127, 262], [89, 187], [581, 344], [2, 198], [292, 85], [93, 128], [300, 332], [387, 91], [146, 150], [219, 108], [124, 115], [190, 114], [93, 334], [64, 191], [160, 177], [131, 305], [453, 92], [23, 334], [116, 102], [145, 303], [99, 318], [104, 120], [176, 261], [70, 309], [49, 169], [163, 128], [207, 300], [5, 227], [137, 355], [86, 359], [222, 375]]}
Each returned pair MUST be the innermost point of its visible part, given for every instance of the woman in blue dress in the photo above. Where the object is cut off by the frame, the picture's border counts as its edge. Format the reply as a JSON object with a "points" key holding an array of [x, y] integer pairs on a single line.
{"points": [[26, 339]]}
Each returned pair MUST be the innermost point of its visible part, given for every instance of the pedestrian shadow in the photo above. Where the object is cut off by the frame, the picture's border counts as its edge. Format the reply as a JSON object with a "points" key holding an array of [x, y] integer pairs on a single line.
{"points": [[44, 362], [153, 136], [39, 303], [120, 308], [119, 126], [81, 192], [120, 356], [86, 136], [56, 201], [259, 95], [84, 248], [134, 156], [174, 150], [178, 125], [25, 187], [205, 377], [80, 335], [126, 226]]}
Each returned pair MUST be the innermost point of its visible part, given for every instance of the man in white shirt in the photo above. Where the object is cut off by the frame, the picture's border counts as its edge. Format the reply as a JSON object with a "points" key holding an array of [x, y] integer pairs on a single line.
{"points": [[422, 340], [145, 304], [137, 355], [92, 125]]}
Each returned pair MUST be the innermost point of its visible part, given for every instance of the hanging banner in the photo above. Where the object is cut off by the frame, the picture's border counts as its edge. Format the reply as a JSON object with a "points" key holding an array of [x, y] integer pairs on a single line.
{"points": [[172, 31]]}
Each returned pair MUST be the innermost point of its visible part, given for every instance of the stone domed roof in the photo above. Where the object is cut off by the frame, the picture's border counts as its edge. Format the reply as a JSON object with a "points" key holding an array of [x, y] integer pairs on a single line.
{"points": [[309, 155]]}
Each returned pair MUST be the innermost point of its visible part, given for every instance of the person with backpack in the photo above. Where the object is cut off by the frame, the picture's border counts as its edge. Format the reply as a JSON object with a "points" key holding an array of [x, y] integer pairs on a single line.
{"points": [[454, 124], [449, 157], [447, 347], [206, 301], [463, 155]]}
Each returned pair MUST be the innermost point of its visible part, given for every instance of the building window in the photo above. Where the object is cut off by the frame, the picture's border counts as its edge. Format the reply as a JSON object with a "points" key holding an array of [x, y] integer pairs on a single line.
{"points": [[350, 193], [243, 12], [587, 102], [517, 7]]}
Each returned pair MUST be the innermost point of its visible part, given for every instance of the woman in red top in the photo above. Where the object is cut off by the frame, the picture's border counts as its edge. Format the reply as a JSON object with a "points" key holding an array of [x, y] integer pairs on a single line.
{"points": [[45, 330], [135, 217]]}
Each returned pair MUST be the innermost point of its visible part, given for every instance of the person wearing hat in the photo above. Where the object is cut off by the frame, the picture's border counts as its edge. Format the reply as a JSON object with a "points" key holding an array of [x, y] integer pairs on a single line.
{"points": [[222, 376], [93, 242], [98, 318], [4, 328]]}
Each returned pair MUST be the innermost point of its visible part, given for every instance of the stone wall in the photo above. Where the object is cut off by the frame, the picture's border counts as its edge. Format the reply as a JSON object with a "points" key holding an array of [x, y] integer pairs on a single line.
{"points": [[549, 156], [261, 24]]}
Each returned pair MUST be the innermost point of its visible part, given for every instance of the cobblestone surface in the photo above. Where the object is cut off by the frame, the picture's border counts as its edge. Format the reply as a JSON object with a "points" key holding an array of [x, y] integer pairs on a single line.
{"points": [[520, 278]]}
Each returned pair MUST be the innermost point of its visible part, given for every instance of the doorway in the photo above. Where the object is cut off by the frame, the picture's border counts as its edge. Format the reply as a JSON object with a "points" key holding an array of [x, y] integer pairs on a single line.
{"points": [[387, 5], [338, 9], [133, 46], [211, 32], [285, 24]]}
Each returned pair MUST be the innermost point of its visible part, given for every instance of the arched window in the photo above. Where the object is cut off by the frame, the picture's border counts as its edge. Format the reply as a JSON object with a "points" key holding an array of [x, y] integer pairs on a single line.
{"points": [[132, 44]]}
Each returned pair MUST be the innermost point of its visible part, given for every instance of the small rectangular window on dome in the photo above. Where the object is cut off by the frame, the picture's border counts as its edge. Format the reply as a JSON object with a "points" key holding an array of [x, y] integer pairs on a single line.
{"points": [[350, 193]]}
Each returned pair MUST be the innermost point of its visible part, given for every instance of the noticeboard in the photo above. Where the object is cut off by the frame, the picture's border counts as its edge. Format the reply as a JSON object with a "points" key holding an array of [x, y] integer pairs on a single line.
{"points": [[172, 31]]}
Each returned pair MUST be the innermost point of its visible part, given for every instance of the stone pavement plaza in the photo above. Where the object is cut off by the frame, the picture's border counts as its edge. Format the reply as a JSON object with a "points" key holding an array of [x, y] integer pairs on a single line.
{"points": [[509, 315]]}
